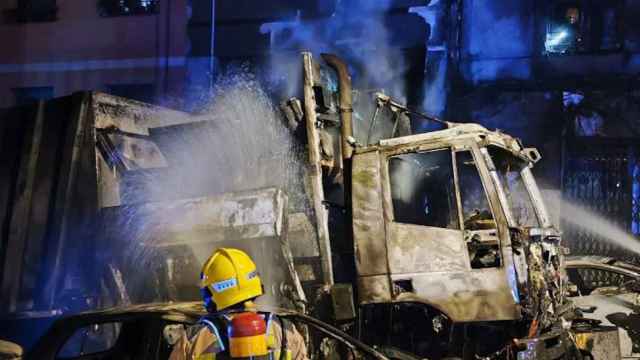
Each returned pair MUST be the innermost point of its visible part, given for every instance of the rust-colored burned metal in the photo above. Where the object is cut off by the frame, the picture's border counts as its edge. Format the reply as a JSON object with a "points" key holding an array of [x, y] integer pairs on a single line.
{"points": [[315, 169], [601, 343], [346, 106], [497, 270], [66, 156], [186, 231], [122, 140], [436, 261], [133, 117], [368, 217]]}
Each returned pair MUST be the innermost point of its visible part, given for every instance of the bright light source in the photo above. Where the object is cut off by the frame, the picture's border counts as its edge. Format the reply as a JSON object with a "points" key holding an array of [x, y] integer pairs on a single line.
{"points": [[557, 38], [571, 98]]}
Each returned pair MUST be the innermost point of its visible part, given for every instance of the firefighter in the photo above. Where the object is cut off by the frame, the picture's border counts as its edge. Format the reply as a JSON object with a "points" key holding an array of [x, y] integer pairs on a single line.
{"points": [[229, 284]]}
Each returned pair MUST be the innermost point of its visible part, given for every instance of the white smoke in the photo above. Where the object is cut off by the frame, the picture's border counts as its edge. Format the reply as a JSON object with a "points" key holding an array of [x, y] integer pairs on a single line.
{"points": [[356, 32]]}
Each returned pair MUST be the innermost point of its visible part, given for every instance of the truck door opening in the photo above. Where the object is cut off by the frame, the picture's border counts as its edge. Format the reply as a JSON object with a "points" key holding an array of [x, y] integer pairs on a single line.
{"points": [[481, 234], [422, 189], [509, 169]]}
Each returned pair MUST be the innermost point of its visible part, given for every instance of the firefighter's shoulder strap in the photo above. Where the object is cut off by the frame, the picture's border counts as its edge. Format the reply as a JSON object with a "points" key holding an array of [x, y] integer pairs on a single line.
{"points": [[217, 341], [283, 353], [217, 326]]}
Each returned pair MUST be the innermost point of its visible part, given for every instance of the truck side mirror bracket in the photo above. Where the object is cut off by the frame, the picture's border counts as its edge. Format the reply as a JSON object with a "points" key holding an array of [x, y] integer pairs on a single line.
{"points": [[532, 154]]}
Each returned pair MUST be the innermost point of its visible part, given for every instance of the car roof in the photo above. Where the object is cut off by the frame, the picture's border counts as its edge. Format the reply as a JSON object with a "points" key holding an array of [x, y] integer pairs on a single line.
{"points": [[188, 312], [602, 262], [189, 307]]}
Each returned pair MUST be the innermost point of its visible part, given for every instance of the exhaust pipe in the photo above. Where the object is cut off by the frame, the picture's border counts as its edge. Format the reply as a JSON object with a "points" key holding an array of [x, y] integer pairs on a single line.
{"points": [[346, 130], [346, 104]]}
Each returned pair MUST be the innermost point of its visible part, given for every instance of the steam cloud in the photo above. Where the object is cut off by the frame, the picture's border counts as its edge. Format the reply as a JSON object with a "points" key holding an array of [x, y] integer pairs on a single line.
{"points": [[356, 31], [240, 144]]}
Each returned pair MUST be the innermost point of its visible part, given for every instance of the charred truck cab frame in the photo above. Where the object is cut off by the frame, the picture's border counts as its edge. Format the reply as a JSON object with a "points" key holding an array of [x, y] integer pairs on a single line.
{"points": [[451, 220], [403, 262], [483, 267]]}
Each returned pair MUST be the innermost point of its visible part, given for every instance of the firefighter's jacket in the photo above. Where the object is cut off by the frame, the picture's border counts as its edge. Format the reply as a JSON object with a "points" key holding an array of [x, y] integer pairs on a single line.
{"points": [[200, 342]]}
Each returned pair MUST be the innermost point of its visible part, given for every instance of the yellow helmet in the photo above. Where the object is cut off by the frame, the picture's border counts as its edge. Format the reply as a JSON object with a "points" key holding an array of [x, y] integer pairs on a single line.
{"points": [[229, 277]]}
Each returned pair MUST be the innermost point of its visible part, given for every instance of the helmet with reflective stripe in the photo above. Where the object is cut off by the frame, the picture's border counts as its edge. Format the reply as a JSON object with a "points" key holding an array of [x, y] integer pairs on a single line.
{"points": [[229, 277]]}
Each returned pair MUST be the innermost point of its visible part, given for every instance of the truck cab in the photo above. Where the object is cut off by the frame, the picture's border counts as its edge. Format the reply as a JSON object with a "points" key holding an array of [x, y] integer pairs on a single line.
{"points": [[442, 218], [450, 234]]}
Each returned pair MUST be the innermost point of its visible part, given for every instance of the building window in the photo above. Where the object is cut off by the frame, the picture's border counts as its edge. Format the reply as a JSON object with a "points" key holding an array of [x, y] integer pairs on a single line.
{"points": [[583, 26], [563, 30], [29, 95], [31, 11], [108, 8]]}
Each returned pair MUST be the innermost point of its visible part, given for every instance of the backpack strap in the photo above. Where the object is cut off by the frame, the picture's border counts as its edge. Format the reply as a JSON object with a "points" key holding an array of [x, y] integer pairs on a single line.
{"points": [[213, 324], [284, 343]]}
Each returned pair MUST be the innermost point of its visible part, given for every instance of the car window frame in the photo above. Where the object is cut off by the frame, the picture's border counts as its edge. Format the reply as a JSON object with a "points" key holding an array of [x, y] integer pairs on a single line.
{"points": [[336, 334], [52, 341], [120, 327], [600, 267]]}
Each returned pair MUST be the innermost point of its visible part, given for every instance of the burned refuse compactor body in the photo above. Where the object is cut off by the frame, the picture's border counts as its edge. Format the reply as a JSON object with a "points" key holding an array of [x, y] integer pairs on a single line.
{"points": [[453, 249]]}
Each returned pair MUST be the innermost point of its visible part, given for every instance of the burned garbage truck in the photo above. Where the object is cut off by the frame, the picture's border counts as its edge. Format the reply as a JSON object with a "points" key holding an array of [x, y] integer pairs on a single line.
{"points": [[428, 245], [453, 249]]}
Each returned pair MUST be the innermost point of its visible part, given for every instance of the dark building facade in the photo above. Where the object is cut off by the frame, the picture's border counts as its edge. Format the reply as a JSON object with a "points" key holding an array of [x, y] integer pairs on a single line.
{"points": [[561, 75], [53, 48]]}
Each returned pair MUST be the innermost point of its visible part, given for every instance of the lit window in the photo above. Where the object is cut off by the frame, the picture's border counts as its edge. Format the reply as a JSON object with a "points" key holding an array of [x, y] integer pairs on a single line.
{"points": [[564, 31], [579, 26], [108, 8]]}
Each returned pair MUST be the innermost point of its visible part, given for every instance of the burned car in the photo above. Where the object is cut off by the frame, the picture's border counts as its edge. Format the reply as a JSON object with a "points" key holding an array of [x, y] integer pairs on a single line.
{"points": [[10, 351], [592, 274], [608, 290], [148, 332]]}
